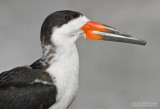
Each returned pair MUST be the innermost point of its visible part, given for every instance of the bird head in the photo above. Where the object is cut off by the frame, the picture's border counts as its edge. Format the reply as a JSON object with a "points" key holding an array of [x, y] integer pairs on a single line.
{"points": [[66, 26]]}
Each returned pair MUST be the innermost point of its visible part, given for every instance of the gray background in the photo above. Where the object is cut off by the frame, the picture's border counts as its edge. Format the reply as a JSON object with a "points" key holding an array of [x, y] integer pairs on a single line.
{"points": [[112, 75]]}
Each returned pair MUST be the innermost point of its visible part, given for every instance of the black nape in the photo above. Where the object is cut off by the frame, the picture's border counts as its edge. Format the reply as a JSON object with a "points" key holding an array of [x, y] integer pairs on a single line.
{"points": [[56, 19]]}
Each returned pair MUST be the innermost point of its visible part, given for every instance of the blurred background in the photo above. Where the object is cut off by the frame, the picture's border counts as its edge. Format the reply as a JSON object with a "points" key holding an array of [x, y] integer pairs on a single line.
{"points": [[112, 75]]}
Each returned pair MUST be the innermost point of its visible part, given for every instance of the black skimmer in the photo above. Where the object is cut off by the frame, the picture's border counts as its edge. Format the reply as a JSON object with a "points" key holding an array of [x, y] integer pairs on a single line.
{"points": [[52, 81]]}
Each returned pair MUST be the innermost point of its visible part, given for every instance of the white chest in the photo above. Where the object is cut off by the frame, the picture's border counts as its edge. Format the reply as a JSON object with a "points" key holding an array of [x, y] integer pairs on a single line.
{"points": [[65, 71]]}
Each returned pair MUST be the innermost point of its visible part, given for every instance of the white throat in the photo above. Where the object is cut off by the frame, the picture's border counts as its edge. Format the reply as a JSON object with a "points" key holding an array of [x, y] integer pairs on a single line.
{"points": [[64, 67], [65, 73]]}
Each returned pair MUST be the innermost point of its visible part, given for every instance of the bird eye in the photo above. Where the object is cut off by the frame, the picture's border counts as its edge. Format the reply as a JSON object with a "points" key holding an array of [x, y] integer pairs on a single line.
{"points": [[67, 18]]}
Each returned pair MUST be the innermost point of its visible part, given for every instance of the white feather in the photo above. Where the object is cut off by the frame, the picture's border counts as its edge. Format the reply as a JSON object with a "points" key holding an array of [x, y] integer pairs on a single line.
{"points": [[65, 66], [40, 81]]}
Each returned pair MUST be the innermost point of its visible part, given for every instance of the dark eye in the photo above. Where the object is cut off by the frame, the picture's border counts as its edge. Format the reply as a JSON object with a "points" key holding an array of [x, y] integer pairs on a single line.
{"points": [[67, 18]]}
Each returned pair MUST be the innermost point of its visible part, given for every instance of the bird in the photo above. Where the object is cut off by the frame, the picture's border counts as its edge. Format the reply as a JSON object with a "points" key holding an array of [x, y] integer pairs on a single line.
{"points": [[52, 81]]}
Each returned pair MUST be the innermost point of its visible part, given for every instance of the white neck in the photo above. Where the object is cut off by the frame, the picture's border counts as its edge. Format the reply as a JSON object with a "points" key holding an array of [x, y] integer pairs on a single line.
{"points": [[65, 73], [65, 65]]}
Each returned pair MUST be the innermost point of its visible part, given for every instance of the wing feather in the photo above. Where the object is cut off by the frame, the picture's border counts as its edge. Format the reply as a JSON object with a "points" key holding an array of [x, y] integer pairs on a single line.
{"points": [[19, 91]]}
